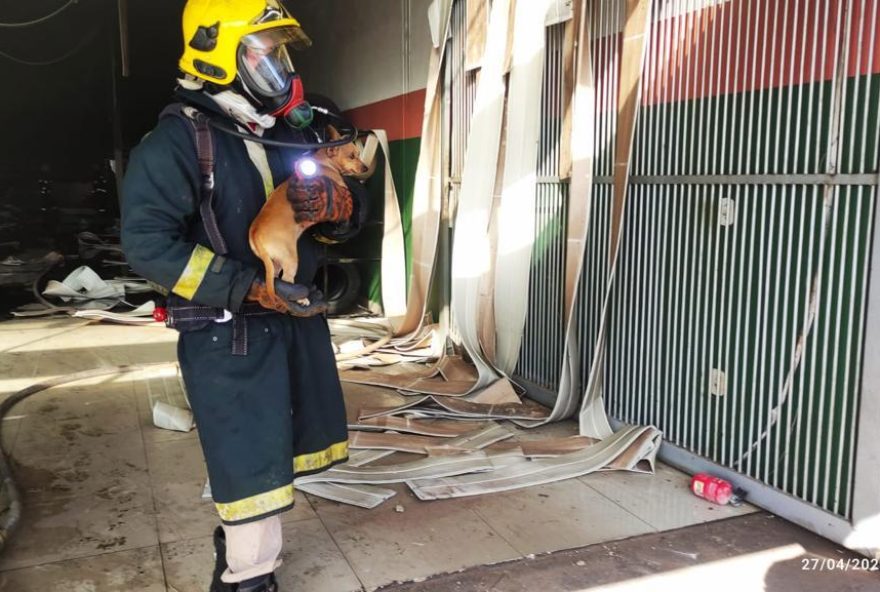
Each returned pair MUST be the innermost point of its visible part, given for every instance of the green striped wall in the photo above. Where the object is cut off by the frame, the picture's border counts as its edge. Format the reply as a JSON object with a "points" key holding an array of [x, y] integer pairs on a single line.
{"points": [[692, 295]]}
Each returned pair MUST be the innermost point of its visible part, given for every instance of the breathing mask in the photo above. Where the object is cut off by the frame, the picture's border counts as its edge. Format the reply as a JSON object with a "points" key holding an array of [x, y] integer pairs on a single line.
{"points": [[268, 76]]}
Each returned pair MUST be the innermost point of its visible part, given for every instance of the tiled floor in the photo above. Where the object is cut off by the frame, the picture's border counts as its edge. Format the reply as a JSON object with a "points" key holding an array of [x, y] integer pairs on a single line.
{"points": [[114, 504]]}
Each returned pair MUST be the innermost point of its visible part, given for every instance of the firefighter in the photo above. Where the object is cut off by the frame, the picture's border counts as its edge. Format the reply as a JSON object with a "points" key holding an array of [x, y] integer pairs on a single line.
{"points": [[262, 382]]}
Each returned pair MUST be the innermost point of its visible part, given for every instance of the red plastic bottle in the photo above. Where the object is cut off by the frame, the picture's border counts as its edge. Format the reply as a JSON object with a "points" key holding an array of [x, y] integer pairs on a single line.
{"points": [[714, 489]]}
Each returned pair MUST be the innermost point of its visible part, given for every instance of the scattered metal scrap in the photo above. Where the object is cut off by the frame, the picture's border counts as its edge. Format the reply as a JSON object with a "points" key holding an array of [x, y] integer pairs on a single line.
{"points": [[484, 460]]}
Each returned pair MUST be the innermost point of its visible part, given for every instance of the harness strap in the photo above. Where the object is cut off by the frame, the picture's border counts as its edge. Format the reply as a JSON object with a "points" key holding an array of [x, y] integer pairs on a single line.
{"points": [[204, 142], [205, 150]]}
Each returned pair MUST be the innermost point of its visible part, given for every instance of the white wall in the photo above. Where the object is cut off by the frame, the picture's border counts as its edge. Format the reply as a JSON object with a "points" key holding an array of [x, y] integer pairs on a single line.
{"points": [[364, 50]]}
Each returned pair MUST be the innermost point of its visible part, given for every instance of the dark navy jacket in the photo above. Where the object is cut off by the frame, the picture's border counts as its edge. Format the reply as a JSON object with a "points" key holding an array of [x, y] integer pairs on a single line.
{"points": [[162, 234]]}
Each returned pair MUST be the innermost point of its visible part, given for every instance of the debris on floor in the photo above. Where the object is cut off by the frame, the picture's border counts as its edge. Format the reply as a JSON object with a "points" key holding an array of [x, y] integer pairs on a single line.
{"points": [[84, 293]]}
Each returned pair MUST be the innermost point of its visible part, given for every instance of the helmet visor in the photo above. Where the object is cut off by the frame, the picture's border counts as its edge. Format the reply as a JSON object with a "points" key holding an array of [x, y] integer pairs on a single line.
{"points": [[265, 61]]}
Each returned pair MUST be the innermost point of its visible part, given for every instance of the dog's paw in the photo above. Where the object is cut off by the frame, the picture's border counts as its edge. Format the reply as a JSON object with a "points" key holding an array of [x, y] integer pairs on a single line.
{"points": [[311, 306]]}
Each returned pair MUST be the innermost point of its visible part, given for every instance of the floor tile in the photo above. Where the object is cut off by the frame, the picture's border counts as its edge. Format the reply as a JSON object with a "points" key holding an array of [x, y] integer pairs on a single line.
{"points": [[94, 346], [83, 473], [80, 400], [77, 416], [137, 570], [561, 515], [178, 474], [71, 439], [663, 500], [385, 545], [17, 371], [81, 527], [18, 333], [312, 562]]}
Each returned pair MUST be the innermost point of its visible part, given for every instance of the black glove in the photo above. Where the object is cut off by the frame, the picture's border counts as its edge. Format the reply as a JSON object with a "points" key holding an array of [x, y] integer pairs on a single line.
{"points": [[288, 298], [316, 305], [286, 294]]}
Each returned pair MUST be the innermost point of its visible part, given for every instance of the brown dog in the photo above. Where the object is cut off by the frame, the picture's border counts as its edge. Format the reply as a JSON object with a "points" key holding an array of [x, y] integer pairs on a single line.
{"points": [[276, 229]]}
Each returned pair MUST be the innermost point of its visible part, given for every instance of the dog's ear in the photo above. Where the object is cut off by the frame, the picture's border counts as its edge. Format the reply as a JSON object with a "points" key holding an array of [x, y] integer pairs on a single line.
{"points": [[333, 134]]}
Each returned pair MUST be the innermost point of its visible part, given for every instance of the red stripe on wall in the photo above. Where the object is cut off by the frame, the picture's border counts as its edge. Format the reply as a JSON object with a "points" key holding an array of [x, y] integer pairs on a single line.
{"points": [[775, 44], [400, 116], [748, 45]]}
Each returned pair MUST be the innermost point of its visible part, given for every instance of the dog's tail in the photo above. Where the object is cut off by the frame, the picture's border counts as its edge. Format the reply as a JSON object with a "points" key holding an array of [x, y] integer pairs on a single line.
{"points": [[264, 256]]}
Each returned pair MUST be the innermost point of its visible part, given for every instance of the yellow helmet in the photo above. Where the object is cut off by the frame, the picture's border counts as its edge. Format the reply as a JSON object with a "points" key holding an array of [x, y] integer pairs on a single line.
{"points": [[214, 29]]}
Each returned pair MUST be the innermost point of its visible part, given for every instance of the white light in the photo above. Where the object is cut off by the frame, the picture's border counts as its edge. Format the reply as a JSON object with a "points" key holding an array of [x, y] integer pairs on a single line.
{"points": [[307, 167]]}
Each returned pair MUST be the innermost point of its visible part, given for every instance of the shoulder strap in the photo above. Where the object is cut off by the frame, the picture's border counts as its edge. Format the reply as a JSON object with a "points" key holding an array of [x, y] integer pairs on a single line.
{"points": [[204, 142]]}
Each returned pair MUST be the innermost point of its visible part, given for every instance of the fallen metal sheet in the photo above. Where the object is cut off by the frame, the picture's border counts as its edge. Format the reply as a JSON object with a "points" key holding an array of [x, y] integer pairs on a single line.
{"points": [[457, 407], [371, 412], [500, 391], [393, 283], [397, 442], [142, 315], [477, 23], [482, 438], [632, 458], [362, 496], [425, 337], [425, 379], [420, 413], [399, 376], [360, 458], [440, 429], [592, 417], [427, 468], [510, 473], [548, 447], [527, 409], [428, 185], [449, 376], [516, 210], [471, 252], [438, 386], [454, 368], [578, 154], [476, 439]]}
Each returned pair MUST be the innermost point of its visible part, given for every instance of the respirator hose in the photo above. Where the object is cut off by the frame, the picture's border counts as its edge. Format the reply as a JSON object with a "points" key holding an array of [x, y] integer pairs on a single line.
{"points": [[348, 138]]}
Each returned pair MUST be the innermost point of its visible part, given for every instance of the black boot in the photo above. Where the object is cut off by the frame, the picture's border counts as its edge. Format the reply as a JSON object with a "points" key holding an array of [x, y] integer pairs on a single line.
{"points": [[218, 585], [265, 583]]}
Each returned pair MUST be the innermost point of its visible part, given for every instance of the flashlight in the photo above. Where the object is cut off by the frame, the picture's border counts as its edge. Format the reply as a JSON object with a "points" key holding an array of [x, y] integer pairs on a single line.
{"points": [[306, 167]]}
